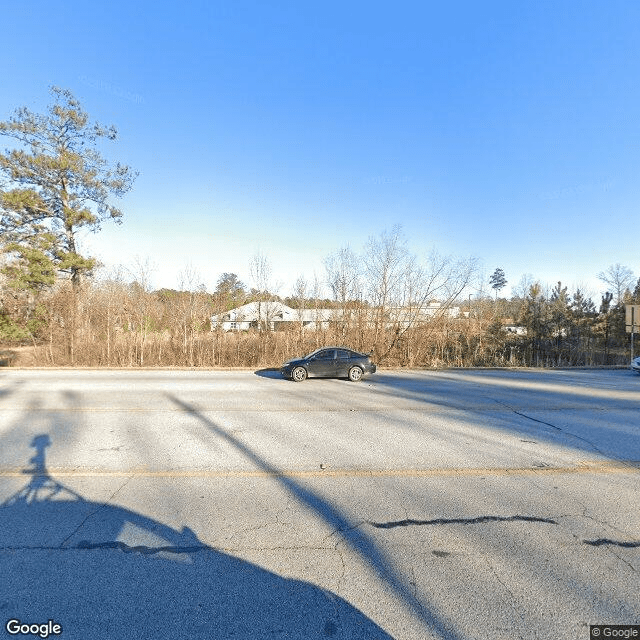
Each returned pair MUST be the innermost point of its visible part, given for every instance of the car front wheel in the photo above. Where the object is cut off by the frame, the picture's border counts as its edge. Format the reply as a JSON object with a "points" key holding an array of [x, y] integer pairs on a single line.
{"points": [[355, 374], [298, 374]]}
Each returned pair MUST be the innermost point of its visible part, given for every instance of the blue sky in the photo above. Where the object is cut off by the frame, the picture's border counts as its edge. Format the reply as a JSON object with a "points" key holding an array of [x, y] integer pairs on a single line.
{"points": [[507, 131]]}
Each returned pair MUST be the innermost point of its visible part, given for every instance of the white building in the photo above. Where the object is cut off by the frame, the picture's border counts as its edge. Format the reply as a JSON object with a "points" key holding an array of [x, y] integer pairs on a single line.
{"points": [[271, 315], [275, 315]]}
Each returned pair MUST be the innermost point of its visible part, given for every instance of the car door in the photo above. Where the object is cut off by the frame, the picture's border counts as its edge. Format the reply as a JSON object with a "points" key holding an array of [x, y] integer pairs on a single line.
{"points": [[323, 364], [343, 362]]}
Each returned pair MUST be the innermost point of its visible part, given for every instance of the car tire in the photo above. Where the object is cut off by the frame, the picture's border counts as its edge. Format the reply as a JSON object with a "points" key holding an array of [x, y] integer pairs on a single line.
{"points": [[299, 374], [355, 374]]}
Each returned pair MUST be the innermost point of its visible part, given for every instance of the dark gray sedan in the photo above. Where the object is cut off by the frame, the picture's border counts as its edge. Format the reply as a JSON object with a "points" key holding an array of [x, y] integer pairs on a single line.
{"points": [[329, 362]]}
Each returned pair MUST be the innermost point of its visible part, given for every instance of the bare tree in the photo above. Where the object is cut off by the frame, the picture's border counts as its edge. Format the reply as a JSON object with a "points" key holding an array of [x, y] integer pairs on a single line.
{"points": [[301, 293], [192, 310], [619, 278], [343, 274], [521, 290], [343, 278], [140, 306], [260, 269], [110, 300], [400, 289], [385, 269]]}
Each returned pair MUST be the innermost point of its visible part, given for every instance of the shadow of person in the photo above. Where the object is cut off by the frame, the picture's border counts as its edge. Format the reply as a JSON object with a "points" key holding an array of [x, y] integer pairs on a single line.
{"points": [[102, 571], [42, 487]]}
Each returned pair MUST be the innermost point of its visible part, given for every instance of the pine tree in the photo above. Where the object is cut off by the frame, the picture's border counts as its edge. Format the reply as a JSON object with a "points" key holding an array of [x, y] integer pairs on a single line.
{"points": [[533, 316], [497, 281], [583, 313], [58, 183], [560, 320]]}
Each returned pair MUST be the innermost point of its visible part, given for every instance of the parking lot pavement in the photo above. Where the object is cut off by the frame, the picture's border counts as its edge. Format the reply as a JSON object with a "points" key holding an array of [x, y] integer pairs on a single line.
{"points": [[455, 504]]}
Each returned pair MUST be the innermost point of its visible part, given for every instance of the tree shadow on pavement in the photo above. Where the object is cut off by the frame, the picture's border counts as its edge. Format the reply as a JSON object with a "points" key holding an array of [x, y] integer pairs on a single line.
{"points": [[330, 515], [102, 571], [579, 415]]}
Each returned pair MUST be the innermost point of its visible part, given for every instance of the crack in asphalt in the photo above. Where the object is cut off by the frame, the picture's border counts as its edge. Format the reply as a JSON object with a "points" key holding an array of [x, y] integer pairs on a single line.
{"points": [[143, 549], [513, 597], [441, 521], [85, 545], [616, 543], [93, 513], [555, 427], [116, 545], [608, 543]]}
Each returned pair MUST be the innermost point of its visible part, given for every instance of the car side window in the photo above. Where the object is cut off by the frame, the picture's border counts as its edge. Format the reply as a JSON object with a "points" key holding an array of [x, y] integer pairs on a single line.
{"points": [[327, 354], [343, 354]]}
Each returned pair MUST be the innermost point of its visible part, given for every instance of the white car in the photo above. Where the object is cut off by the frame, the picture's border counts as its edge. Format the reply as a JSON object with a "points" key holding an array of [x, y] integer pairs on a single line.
{"points": [[635, 364]]}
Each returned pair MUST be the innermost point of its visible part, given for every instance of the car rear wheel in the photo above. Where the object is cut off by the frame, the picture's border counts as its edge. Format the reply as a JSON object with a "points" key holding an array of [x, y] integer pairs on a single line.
{"points": [[355, 374], [298, 374]]}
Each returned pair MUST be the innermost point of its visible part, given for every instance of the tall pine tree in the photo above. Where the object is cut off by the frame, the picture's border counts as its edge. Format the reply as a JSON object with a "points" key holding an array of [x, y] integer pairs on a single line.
{"points": [[55, 184]]}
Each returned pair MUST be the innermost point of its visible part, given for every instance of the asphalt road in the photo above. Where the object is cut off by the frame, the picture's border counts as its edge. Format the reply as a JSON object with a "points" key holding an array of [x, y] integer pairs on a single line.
{"points": [[212, 504]]}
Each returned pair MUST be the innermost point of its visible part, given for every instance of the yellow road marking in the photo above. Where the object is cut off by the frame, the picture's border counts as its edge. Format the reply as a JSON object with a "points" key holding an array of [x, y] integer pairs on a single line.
{"points": [[628, 466]]}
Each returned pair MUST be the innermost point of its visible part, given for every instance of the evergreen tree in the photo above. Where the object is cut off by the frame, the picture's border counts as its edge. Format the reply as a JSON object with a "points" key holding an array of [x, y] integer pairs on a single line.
{"points": [[560, 320], [58, 183], [603, 324], [230, 291], [533, 318], [498, 281], [583, 313]]}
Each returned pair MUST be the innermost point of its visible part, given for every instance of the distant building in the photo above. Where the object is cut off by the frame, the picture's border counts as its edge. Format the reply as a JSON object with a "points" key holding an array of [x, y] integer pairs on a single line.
{"points": [[511, 327], [270, 315], [419, 314], [276, 316]]}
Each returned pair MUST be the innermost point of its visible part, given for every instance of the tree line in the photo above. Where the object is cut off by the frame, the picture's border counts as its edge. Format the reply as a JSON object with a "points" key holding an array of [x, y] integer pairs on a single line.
{"points": [[55, 183], [113, 321]]}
